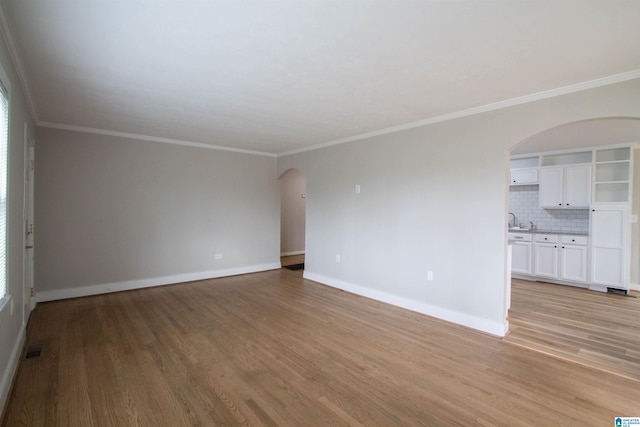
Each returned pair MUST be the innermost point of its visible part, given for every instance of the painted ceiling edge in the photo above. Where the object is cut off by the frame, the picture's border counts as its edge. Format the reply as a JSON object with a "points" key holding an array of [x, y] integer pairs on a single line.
{"points": [[150, 138], [550, 93], [7, 36]]}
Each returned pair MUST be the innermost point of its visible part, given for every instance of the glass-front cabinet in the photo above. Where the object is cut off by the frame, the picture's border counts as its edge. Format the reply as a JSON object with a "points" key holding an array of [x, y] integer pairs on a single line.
{"points": [[611, 182]]}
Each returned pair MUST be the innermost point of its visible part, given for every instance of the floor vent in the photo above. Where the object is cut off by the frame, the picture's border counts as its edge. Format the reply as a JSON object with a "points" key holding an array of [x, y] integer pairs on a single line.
{"points": [[615, 291], [33, 350]]}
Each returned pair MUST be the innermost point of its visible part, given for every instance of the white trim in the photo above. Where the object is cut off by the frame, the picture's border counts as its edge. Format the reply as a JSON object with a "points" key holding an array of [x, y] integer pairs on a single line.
{"points": [[292, 253], [105, 288], [634, 286], [494, 328], [150, 138], [12, 366], [604, 81], [7, 35]]}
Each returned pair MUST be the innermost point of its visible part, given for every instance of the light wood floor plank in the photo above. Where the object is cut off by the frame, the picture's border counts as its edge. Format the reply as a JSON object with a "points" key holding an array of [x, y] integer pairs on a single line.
{"points": [[586, 327], [273, 349]]}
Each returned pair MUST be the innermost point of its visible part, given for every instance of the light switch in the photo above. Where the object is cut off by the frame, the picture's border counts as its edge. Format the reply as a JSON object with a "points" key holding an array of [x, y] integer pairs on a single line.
{"points": [[357, 188], [634, 219]]}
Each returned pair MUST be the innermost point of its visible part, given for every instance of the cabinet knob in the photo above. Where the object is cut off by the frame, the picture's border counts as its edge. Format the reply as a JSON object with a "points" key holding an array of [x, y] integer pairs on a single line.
{"points": [[573, 240], [559, 204], [567, 204], [563, 247], [555, 246]]}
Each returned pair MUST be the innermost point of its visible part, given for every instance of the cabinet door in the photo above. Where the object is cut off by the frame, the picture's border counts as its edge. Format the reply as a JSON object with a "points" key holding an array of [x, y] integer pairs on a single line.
{"points": [[551, 187], [546, 260], [521, 257], [574, 263], [525, 176], [577, 186], [608, 246]]}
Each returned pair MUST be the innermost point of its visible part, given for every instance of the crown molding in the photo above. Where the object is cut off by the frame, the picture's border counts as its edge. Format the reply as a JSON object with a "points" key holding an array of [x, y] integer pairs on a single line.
{"points": [[7, 35], [150, 138], [590, 84]]}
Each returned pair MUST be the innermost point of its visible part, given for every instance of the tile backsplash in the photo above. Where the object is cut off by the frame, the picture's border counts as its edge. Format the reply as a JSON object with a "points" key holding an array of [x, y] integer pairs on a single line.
{"points": [[523, 202]]}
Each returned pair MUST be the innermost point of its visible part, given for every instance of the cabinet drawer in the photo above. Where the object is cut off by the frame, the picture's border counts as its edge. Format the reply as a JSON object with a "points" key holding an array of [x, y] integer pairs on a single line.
{"points": [[522, 237], [549, 238], [574, 240]]}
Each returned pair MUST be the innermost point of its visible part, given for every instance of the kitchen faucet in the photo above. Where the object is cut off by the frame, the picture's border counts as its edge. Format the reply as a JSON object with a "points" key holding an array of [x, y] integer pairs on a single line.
{"points": [[515, 220]]}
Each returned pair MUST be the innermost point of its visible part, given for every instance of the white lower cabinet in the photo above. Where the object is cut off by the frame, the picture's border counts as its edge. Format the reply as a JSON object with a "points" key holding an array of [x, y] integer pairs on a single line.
{"points": [[546, 255], [552, 257], [573, 259], [521, 253]]}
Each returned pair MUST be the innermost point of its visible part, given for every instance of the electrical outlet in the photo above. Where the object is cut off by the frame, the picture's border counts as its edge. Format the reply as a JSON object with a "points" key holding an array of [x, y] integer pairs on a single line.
{"points": [[357, 188], [430, 276], [218, 256], [337, 257]]}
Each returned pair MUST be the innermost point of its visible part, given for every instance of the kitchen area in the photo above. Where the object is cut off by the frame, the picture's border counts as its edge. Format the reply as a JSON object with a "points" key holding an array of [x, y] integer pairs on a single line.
{"points": [[569, 217]]}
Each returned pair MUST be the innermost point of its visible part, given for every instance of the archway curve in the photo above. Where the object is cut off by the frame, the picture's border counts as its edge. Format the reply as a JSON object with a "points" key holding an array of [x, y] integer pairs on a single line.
{"points": [[580, 134]]}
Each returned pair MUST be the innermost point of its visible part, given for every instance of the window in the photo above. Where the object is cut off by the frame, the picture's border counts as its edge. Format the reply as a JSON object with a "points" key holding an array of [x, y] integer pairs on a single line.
{"points": [[4, 144]]}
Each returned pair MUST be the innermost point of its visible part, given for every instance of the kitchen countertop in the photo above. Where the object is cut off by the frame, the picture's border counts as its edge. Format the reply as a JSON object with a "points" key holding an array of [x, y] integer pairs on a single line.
{"points": [[565, 233]]}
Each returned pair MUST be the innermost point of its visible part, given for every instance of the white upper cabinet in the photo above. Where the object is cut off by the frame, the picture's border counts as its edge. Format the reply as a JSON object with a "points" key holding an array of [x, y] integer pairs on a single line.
{"points": [[577, 187], [525, 176], [524, 170], [551, 183], [565, 187]]}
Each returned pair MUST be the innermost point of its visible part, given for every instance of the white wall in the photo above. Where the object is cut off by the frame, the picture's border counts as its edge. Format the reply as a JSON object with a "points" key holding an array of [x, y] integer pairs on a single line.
{"points": [[116, 213], [12, 328], [293, 185], [433, 198]]}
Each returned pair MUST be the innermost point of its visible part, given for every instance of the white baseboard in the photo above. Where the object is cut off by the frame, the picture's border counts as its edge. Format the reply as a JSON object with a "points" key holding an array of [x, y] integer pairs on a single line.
{"points": [[292, 253], [494, 328], [105, 288], [10, 370], [634, 286]]}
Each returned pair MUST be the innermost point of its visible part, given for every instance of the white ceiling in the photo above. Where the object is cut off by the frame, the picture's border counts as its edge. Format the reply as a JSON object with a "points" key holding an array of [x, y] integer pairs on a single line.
{"points": [[276, 76]]}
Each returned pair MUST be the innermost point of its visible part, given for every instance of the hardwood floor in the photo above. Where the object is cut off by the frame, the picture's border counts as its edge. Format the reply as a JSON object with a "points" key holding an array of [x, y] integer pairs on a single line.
{"points": [[586, 327], [273, 349]]}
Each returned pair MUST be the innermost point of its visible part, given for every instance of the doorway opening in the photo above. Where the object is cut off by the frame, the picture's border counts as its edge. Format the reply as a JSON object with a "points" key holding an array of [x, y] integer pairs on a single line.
{"points": [[28, 219], [571, 322], [293, 187]]}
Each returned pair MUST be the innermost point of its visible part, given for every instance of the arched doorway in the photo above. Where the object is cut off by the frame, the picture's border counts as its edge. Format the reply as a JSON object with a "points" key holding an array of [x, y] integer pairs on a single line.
{"points": [[567, 321], [574, 137], [293, 184]]}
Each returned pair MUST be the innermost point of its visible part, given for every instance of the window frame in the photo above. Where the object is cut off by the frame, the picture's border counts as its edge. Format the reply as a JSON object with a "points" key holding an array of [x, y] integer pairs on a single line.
{"points": [[5, 89]]}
